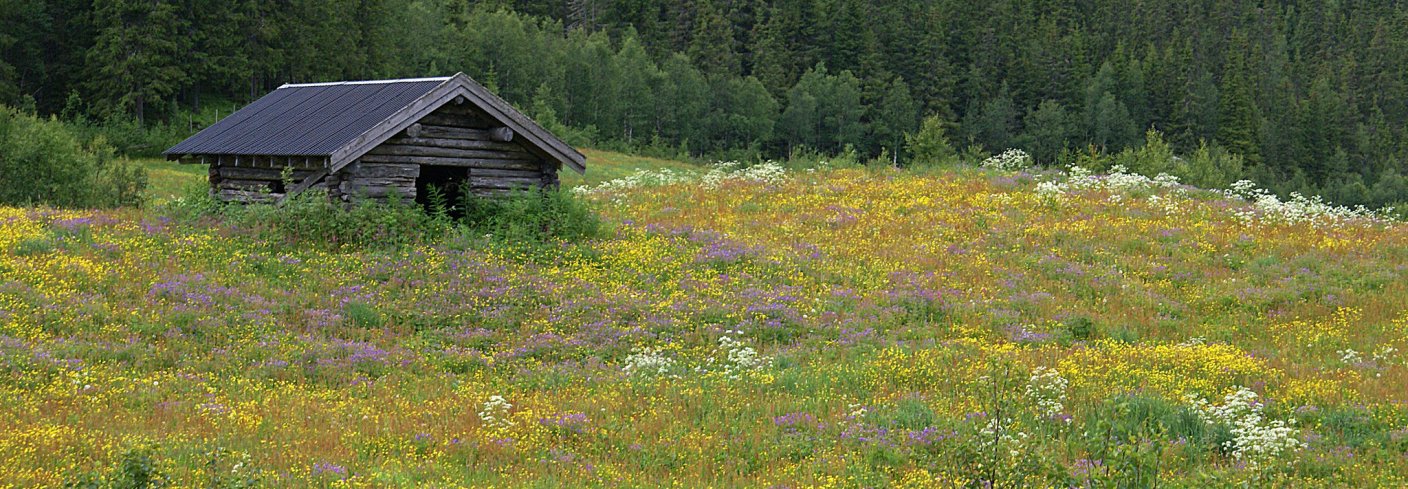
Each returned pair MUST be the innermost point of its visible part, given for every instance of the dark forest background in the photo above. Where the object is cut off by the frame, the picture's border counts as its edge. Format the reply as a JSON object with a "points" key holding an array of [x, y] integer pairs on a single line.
{"points": [[1307, 96]]}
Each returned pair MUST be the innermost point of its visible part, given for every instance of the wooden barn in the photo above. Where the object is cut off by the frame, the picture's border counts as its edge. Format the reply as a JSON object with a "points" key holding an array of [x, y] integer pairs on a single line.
{"points": [[372, 139]]}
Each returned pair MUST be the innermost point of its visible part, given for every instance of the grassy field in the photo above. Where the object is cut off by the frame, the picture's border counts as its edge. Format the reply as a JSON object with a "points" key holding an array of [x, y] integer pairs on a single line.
{"points": [[606, 166], [752, 327], [167, 180]]}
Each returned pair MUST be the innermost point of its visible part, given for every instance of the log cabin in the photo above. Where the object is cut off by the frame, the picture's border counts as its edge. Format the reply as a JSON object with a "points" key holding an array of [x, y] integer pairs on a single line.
{"points": [[374, 139]]}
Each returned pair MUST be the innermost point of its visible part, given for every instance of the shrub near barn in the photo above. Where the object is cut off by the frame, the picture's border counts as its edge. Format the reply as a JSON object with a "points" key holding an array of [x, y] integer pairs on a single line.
{"points": [[42, 161]]}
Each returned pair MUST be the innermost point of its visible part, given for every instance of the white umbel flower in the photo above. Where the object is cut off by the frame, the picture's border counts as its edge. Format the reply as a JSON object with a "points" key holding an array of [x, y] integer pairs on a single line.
{"points": [[1254, 438], [494, 412]]}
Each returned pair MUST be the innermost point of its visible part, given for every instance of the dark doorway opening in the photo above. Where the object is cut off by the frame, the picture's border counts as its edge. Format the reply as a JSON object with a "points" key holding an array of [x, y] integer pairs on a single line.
{"points": [[442, 187]]}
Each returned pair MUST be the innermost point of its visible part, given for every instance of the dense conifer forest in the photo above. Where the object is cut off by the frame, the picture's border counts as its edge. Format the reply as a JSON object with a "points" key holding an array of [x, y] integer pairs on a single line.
{"points": [[1307, 96]]}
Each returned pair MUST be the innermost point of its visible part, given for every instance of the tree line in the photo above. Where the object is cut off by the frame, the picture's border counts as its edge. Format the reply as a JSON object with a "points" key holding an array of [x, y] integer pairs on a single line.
{"points": [[1310, 96]]}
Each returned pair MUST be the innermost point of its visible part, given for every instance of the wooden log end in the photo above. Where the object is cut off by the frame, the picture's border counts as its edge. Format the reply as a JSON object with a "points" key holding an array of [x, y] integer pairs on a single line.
{"points": [[501, 134]]}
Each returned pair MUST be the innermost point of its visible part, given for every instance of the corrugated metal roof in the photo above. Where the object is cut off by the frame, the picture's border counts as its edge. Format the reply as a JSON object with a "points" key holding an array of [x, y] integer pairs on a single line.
{"points": [[306, 120], [344, 120]]}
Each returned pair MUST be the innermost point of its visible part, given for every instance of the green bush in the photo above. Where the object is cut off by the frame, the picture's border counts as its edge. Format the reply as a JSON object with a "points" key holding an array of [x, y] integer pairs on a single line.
{"points": [[803, 157], [1212, 167], [1153, 158], [930, 145], [312, 217], [528, 217], [137, 470], [42, 161], [1079, 328]]}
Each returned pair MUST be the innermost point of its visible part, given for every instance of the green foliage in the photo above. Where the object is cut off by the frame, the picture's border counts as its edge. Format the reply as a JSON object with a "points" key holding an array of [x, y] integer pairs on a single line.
{"points": [[1108, 123], [1079, 328], [133, 63], [1208, 166], [993, 123], [1358, 427], [1389, 190], [1212, 167], [1125, 434], [129, 138], [824, 111], [930, 145], [531, 217], [1048, 130], [914, 414], [137, 470], [803, 157], [713, 46], [44, 162], [741, 115], [1153, 158], [228, 471], [312, 217], [1239, 123], [362, 315], [894, 117]]}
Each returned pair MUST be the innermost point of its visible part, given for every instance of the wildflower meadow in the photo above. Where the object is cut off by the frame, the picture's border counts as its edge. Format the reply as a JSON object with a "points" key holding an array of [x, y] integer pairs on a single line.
{"points": [[745, 325]]}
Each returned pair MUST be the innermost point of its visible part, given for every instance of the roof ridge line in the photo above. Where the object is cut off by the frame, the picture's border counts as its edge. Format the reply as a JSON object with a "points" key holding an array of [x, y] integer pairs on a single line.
{"points": [[333, 160], [366, 82]]}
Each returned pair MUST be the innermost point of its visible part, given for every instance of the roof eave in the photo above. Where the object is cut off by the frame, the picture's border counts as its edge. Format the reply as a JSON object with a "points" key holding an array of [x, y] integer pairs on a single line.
{"points": [[455, 86], [554, 146]]}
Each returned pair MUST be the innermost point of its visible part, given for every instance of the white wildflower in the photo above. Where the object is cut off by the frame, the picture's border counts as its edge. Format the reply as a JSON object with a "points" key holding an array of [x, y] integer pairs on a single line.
{"points": [[494, 412], [857, 410], [1254, 439], [1350, 356], [739, 359], [997, 434], [1264, 207], [1384, 354], [1267, 207], [649, 362], [1164, 180], [1194, 341], [1047, 390], [1050, 191], [641, 178], [766, 172], [1010, 160]]}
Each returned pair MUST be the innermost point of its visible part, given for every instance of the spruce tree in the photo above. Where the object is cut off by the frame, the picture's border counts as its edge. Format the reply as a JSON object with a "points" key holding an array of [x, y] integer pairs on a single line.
{"points": [[773, 62], [133, 65], [894, 116], [1323, 119], [1108, 124], [1047, 131], [22, 48], [1239, 124], [993, 124], [713, 47]]}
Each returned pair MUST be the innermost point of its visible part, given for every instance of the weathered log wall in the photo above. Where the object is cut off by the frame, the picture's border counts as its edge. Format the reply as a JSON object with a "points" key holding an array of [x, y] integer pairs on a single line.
{"points": [[375, 180], [252, 184], [454, 136]]}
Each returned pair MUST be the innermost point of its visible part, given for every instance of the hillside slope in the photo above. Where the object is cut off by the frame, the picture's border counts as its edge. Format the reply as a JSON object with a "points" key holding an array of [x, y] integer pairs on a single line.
{"points": [[741, 327]]}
